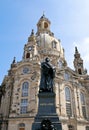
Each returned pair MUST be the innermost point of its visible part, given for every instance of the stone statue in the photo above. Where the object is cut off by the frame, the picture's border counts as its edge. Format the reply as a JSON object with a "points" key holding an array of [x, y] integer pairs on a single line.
{"points": [[47, 76]]}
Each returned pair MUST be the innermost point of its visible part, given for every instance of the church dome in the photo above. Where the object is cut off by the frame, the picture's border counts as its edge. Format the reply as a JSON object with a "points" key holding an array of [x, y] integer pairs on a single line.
{"points": [[45, 38]]}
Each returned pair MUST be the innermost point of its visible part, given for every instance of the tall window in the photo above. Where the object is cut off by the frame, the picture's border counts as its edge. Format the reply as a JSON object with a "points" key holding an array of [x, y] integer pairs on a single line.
{"points": [[25, 89], [28, 55], [21, 126], [68, 102], [83, 105], [24, 105], [79, 70], [54, 44]]}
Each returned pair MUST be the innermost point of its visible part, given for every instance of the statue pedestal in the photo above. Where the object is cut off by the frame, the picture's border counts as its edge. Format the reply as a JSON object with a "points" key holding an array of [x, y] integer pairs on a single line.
{"points": [[46, 110]]}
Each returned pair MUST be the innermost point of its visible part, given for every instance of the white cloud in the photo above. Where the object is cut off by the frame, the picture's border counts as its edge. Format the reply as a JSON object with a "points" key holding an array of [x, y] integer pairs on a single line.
{"points": [[83, 48]]}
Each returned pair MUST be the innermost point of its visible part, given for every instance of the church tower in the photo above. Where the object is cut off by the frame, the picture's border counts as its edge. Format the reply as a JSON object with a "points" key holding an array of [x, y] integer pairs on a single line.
{"points": [[30, 50], [78, 63]]}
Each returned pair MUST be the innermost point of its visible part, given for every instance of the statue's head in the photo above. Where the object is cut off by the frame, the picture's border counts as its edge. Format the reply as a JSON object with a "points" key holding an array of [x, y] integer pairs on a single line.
{"points": [[47, 59]]}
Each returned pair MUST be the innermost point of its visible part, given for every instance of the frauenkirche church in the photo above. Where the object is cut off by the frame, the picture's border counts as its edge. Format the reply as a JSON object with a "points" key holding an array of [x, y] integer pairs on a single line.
{"points": [[33, 98]]}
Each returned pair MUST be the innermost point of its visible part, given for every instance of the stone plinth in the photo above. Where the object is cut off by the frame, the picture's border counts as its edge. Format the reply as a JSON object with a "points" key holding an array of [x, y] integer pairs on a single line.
{"points": [[46, 110]]}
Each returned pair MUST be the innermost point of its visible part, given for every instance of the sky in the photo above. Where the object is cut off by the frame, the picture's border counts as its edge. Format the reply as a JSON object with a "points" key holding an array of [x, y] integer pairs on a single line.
{"points": [[69, 23]]}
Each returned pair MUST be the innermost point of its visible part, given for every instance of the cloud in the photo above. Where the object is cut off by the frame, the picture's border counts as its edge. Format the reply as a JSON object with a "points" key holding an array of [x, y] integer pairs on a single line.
{"points": [[83, 48]]}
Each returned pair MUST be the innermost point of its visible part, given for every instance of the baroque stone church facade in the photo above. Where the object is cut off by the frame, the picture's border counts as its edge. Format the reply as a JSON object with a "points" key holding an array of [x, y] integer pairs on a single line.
{"points": [[20, 88]]}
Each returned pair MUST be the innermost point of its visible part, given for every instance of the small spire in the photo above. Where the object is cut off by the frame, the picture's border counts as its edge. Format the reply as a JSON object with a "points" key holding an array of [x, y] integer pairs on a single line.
{"points": [[43, 16], [32, 33], [43, 13], [76, 50], [13, 64], [77, 54], [14, 60], [32, 36]]}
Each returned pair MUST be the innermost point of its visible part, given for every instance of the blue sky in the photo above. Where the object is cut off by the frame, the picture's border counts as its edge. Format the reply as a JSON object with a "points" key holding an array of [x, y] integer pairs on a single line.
{"points": [[69, 22]]}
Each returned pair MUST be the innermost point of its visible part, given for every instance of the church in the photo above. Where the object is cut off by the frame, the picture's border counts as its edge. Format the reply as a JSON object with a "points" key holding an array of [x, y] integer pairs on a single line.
{"points": [[24, 107]]}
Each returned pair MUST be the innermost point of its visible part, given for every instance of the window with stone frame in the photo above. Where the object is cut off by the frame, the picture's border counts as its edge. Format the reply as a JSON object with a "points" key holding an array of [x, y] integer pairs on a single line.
{"points": [[54, 44], [28, 55], [70, 127], [79, 71], [24, 106], [68, 101], [66, 76], [83, 104], [25, 88], [60, 64], [21, 126]]}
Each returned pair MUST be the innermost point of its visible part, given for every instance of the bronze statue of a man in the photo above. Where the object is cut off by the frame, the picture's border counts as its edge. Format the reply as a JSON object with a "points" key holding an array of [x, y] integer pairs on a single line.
{"points": [[47, 76]]}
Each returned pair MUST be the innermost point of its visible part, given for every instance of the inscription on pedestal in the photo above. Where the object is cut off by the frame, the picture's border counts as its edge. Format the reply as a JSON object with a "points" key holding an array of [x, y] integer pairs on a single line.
{"points": [[45, 104]]}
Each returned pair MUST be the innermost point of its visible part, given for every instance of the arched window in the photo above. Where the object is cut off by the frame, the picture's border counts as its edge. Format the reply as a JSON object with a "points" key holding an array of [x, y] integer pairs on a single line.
{"points": [[83, 105], [70, 127], [28, 55], [68, 101], [79, 71], [45, 25], [21, 126], [25, 89]]}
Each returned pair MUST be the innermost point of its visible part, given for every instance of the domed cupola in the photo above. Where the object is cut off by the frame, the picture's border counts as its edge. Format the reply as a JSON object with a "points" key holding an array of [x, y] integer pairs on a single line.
{"points": [[43, 25], [46, 42]]}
